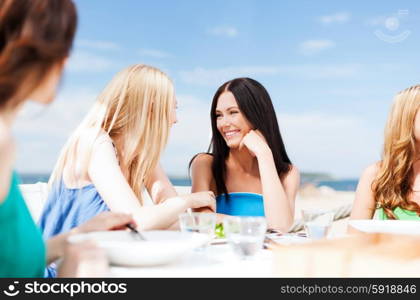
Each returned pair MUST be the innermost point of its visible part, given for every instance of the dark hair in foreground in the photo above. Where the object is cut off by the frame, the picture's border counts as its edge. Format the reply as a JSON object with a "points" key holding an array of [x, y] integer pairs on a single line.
{"points": [[255, 104], [34, 36]]}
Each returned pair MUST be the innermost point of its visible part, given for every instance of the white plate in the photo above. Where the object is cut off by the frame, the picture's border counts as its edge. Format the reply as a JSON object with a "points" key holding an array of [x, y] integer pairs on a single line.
{"points": [[161, 247], [218, 241], [387, 226]]}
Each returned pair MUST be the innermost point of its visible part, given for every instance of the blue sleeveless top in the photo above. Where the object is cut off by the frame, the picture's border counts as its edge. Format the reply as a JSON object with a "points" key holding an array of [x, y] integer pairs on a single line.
{"points": [[241, 204], [68, 208]]}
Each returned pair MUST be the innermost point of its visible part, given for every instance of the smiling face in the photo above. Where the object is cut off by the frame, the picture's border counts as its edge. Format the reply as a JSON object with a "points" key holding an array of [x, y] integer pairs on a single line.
{"points": [[231, 123]]}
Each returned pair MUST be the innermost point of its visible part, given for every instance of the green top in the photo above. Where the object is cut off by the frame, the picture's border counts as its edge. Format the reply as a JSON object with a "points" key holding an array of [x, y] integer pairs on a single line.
{"points": [[400, 213], [22, 250]]}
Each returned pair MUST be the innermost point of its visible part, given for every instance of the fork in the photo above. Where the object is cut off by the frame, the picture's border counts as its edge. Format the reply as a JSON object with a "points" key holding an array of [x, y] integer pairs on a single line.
{"points": [[135, 233]]}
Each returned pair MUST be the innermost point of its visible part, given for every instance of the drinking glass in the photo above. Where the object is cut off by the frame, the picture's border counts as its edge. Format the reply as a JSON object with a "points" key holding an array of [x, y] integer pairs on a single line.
{"points": [[317, 222], [245, 234], [198, 222]]}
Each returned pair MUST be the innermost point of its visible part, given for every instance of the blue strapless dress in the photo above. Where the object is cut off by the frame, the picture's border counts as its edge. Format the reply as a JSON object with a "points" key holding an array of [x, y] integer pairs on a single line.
{"points": [[241, 204]]}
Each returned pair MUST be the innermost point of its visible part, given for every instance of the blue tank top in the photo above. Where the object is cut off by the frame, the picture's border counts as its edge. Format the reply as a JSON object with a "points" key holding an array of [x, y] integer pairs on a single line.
{"points": [[241, 204], [68, 208]]}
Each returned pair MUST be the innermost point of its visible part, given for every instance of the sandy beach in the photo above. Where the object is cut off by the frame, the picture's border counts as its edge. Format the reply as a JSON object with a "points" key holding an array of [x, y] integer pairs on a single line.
{"points": [[324, 197]]}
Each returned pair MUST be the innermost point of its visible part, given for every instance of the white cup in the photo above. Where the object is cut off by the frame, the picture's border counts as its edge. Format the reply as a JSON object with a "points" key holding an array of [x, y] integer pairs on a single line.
{"points": [[317, 222]]}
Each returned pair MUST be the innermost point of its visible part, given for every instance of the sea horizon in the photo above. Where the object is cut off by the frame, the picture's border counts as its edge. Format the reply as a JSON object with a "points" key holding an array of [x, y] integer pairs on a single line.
{"points": [[348, 184]]}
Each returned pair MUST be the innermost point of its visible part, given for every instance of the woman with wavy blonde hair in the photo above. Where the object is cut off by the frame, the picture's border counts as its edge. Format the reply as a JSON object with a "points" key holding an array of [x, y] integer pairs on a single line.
{"points": [[113, 156], [391, 187]]}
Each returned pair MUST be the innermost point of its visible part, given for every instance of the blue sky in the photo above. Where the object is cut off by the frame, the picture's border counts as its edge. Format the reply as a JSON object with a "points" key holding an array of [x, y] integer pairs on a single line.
{"points": [[331, 68]]}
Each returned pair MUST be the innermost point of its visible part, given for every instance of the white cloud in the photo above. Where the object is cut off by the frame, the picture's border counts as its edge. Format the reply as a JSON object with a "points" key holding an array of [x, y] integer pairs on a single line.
{"points": [[226, 31], [341, 17], [153, 53], [215, 77], [311, 47], [82, 61], [98, 45]]}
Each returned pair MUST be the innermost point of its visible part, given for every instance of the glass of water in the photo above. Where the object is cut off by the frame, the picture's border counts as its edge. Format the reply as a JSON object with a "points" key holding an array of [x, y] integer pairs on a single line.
{"points": [[317, 222], [245, 234], [198, 222]]}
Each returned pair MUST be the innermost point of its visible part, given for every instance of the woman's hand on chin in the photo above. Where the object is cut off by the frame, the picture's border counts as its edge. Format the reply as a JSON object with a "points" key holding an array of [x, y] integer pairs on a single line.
{"points": [[255, 142]]}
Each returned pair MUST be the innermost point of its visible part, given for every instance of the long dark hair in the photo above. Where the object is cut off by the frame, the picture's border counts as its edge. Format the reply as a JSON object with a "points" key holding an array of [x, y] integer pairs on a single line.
{"points": [[34, 36], [255, 103]]}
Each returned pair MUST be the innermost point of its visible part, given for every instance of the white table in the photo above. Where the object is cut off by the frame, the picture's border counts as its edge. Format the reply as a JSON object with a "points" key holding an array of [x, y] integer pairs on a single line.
{"points": [[215, 261]]}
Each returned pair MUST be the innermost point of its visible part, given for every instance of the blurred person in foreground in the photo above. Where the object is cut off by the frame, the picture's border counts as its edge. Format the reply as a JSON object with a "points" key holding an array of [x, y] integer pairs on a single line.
{"points": [[36, 37]]}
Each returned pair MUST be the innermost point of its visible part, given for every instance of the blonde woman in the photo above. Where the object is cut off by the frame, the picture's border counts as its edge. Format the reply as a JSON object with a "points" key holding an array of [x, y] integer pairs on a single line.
{"points": [[391, 188], [114, 155]]}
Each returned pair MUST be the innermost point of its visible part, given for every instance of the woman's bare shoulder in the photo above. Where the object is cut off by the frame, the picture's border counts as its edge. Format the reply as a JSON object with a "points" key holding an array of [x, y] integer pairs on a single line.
{"points": [[292, 177], [371, 171], [92, 139], [201, 160], [294, 171], [202, 175]]}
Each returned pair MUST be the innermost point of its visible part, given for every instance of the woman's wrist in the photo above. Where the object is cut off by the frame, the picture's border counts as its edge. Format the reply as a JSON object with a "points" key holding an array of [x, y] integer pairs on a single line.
{"points": [[264, 153], [183, 201], [56, 246]]}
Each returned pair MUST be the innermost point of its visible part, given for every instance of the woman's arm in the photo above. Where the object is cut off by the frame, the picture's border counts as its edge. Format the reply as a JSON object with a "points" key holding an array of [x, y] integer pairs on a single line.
{"points": [[160, 189], [84, 259], [279, 197], [159, 186], [364, 203], [202, 179], [201, 174], [105, 173], [105, 221]]}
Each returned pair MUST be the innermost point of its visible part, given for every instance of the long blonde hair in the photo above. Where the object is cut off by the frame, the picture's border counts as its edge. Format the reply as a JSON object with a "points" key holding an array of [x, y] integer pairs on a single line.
{"points": [[393, 183], [135, 106]]}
